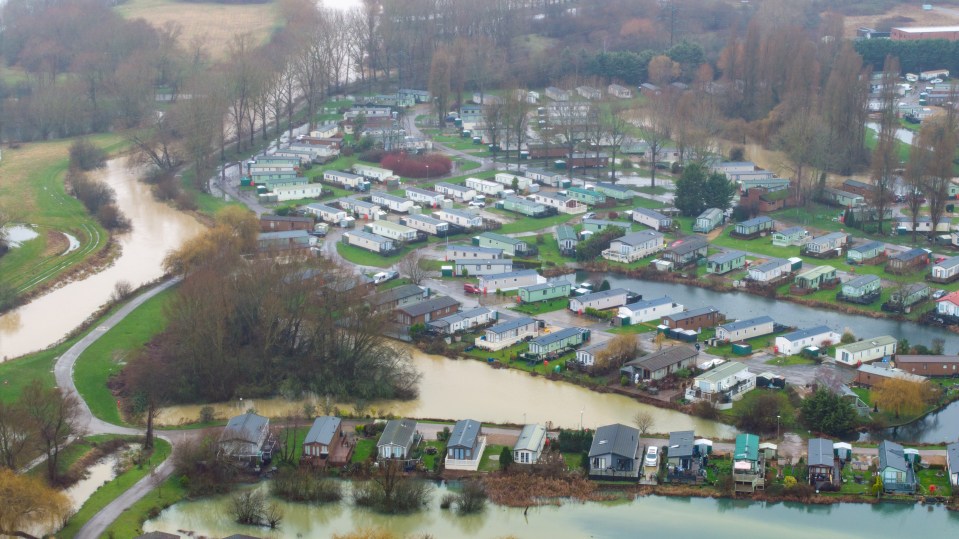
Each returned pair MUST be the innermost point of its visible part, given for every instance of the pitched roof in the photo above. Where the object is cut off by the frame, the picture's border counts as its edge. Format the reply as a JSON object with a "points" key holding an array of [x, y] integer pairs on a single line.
{"points": [[510, 325], [747, 447], [949, 262], [910, 254], [565, 232], [464, 433], [500, 238], [424, 192], [617, 439], [488, 261], [453, 187], [285, 218], [545, 286], [728, 256], [639, 238], [721, 372], [755, 221], [952, 451], [323, 208], [398, 432], [742, 324], [367, 236], [792, 230], [508, 274], [645, 304], [395, 294], [322, 431], [710, 213], [891, 455], [460, 316], [422, 217], [691, 314], [916, 358], [867, 246], [650, 213], [861, 281], [248, 427], [530, 438], [429, 306], [556, 336], [859, 346], [391, 198], [831, 237], [806, 333], [664, 358], [688, 245], [601, 295], [771, 264], [820, 452], [474, 249], [282, 235], [681, 443]]}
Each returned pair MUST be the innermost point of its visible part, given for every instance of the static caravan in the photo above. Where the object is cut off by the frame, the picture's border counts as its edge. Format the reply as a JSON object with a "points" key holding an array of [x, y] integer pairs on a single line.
{"points": [[510, 280], [370, 242], [866, 351], [391, 202], [652, 219], [485, 187], [459, 218], [475, 267], [327, 214], [708, 220], [507, 333], [346, 179], [794, 342], [770, 270], [635, 246], [721, 263], [545, 291], [607, 299], [394, 231], [649, 310], [454, 191], [745, 329], [506, 179], [424, 196], [425, 223], [372, 173], [510, 246], [468, 252], [285, 193]]}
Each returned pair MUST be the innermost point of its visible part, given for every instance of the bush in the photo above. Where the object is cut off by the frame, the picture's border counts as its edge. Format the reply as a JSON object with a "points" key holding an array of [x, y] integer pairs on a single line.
{"points": [[472, 499], [624, 380], [705, 410], [418, 166], [574, 440], [295, 486], [372, 156], [207, 414], [84, 155], [448, 500]]}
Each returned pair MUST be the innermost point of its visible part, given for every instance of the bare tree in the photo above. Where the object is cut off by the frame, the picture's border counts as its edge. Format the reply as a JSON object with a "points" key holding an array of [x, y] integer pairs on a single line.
{"points": [[617, 130], [51, 415], [885, 159], [656, 132], [644, 421], [413, 268], [15, 434]]}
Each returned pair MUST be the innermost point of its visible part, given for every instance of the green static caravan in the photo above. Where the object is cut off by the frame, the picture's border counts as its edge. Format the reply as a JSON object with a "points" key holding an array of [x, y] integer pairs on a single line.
{"points": [[863, 289], [725, 262], [815, 278], [599, 225], [510, 246], [523, 206], [614, 191], [545, 291], [586, 196], [554, 344], [566, 238]]}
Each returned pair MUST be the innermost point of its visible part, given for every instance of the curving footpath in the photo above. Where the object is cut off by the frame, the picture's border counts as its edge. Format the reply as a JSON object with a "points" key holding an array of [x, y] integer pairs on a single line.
{"points": [[89, 424]]}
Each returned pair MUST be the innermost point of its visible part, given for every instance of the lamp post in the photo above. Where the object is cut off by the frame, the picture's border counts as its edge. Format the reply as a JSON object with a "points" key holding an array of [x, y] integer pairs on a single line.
{"points": [[581, 419], [427, 173], [777, 426]]}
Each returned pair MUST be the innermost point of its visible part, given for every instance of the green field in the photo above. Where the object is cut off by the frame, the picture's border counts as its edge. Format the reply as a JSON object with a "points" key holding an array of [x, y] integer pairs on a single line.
{"points": [[114, 489], [106, 357], [362, 257]]}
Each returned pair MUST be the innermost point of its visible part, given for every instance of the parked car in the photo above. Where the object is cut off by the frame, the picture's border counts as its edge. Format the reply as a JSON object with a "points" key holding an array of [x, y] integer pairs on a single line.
{"points": [[384, 276], [652, 456], [471, 288], [589, 215], [477, 204], [938, 294]]}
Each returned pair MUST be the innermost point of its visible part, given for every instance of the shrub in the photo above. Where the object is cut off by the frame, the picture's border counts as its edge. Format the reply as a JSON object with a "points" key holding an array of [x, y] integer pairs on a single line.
{"points": [[372, 156], [296, 486], [472, 499], [418, 166], [207, 414], [624, 380], [705, 410], [84, 155], [448, 500]]}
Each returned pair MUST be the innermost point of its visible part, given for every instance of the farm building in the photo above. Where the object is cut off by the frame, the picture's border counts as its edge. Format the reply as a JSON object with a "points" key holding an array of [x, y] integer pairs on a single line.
{"points": [[508, 333], [524, 206], [945, 271], [796, 235], [562, 203], [658, 365], [460, 218], [284, 240], [510, 246], [648, 310], [826, 246], [391, 230], [770, 270], [370, 242], [929, 365], [725, 262], [506, 180], [816, 278], [708, 220], [863, 289], [425, 196], [545, 291], [467, 252], [427, 310], [346, 179], [634, 246], [474, 267], [907, 261], [510, 280], [566, 238], [391, 202], [463, 321], [372, 173], [614, 191], [794, 342], [586, 196], [753, 227], [620, 91], [722, 384], [599, 225], [866, 351], [745, 329], [696, 319], [652, 219], [607, 299], [862, 253], [454, 191], [686, 251], [484, 187], [553, 344], [426, 223]]}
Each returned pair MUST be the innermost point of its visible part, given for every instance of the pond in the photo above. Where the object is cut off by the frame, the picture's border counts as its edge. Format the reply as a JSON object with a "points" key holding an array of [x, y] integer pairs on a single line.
{"points": [[459, 389], [656, 516], [17, 235]]}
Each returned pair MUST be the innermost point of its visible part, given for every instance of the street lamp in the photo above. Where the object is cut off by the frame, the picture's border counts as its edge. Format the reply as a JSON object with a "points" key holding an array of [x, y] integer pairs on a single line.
{"points": [[427, 173], [777, 426], [581, 419]]}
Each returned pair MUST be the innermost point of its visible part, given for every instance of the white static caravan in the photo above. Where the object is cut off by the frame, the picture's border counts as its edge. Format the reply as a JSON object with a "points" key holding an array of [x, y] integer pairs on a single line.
{"points": [[391, 230], [368, 241], [372, 173], [427, 197], [285, 193], [327, 214], [392, 202], [506, 179], [426, 223], [346, 179], [461, 218], [484, 187], [454, 191]]}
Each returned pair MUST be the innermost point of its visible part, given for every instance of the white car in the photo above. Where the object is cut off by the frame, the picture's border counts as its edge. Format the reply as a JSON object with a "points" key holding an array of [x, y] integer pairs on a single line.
{"points": [[589, 215], [384, 276], [652, 456], [477, 204]]}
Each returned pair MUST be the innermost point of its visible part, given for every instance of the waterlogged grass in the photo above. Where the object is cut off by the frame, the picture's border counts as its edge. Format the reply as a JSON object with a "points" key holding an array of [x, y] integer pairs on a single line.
{"points": [[106, 357], [114, 489], [363, 257]]}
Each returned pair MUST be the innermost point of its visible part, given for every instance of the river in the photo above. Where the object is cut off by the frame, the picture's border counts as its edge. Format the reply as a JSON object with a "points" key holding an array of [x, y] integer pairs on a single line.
{"points": [[656, 516], [157, 229], [741, 305], [460, 389]]}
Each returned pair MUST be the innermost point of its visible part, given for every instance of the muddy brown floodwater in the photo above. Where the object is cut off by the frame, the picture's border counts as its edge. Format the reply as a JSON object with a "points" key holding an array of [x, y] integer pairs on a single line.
{"points": [[157, 229]]}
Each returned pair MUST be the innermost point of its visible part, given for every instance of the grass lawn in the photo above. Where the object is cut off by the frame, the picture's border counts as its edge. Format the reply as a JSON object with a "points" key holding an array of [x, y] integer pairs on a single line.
{"points": [[790, 360], [936, 477], [430, 461], [488, 464], [363, 257], [464, 165], [658, 190], [114, 489], [531, 225], [573, 460], [112, 350], [365, 448], [130, 522], [17, 374], [633, 329], [758, 343], [31, 183], [393, 284], [850, 486], [541, 307]]}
